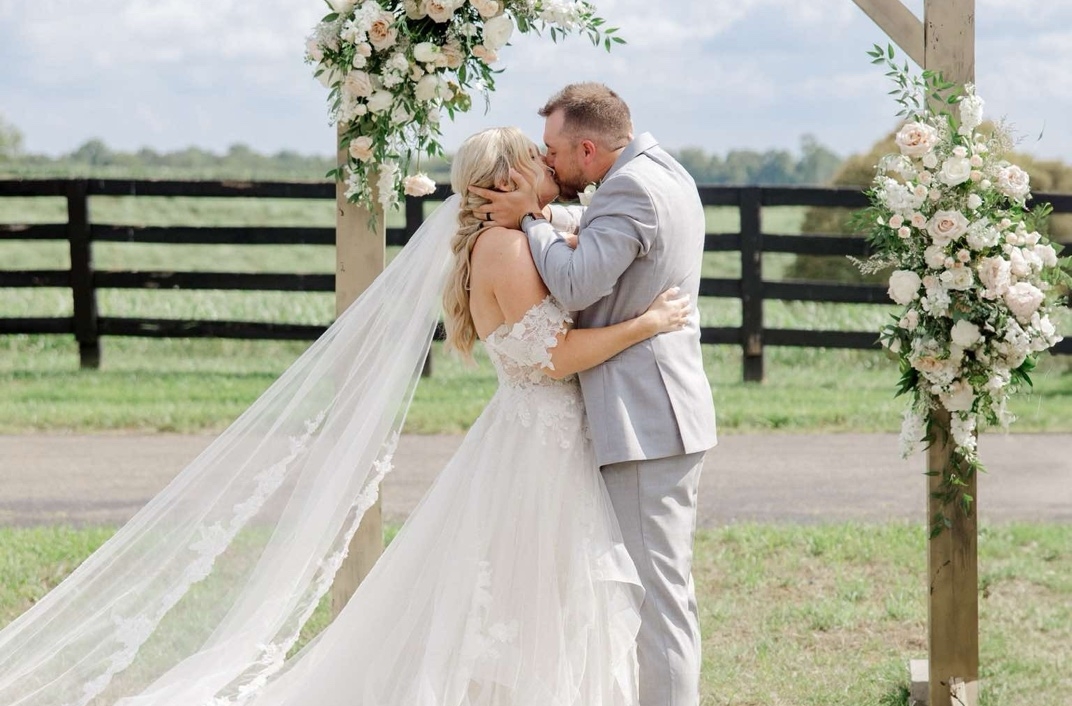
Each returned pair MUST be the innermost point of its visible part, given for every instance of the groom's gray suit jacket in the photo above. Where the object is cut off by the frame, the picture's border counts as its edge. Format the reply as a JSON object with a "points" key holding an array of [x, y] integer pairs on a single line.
{"points": [[642, 233]]}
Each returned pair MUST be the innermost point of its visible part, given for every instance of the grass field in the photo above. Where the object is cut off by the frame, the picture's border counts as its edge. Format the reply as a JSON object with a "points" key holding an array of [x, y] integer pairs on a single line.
{"points": [[792, 616], [201, 385]]}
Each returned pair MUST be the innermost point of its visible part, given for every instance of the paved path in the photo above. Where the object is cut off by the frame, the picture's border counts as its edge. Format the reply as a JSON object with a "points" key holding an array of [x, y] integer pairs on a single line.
{"points": [[105, 478]]}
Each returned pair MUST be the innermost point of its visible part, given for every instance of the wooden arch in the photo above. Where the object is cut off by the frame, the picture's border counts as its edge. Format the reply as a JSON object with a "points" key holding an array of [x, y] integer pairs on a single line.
{"points": [[943, 41]]}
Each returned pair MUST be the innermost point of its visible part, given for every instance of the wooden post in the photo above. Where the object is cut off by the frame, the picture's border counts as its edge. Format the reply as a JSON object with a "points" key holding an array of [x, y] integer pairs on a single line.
{"points": [[945, 42], [360, 253], [751, 284], [82, 289], [952, 558]]}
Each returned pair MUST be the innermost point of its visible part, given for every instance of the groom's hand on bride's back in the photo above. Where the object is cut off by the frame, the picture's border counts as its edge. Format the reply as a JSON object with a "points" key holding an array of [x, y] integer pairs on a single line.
{"points": [[506, 206]]}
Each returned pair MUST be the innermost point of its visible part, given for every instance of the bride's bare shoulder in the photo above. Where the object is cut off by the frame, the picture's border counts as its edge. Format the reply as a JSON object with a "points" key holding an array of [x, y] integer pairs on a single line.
{"points": [[502, 248]]}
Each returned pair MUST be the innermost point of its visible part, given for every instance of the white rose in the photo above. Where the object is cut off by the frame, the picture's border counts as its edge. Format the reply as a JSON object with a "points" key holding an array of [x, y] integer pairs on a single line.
{"points": [[1046, 255], [427, 88], [452, 55], [995, 274], [414, 9], [960, 397], [918, 220], [497, 32], [359, 62], [904, 286], [974, 201], [380, 101], [946, 226], [382, 33], [1024, 299], [364, 49], [426, 53], [965, 334], [486, 8], [957, 277], [910, 320], [357, 84], [361, 148], [916, 139], [1014, 182], [930, 160], [934, 256], [955, 170], [343, 7], [439, 10], [418, 185]]}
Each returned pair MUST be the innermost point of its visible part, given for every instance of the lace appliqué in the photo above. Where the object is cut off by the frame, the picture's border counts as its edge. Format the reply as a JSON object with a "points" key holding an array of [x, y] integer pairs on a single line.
{"points": [[273, 656], [521, 352]]}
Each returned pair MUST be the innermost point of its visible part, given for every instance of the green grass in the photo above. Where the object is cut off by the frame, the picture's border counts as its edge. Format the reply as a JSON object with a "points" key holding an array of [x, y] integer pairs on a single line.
{"points": [[815, 615], [202, 385]]}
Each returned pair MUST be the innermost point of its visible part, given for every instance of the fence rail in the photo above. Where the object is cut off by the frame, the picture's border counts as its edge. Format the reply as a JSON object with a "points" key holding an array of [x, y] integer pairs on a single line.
{"points": [[84, 280]]}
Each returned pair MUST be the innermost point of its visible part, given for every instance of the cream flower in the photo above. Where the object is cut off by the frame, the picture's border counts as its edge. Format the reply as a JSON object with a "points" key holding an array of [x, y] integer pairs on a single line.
{"points": [[955, 170], [946, 226], [380, 101], [382, 33], [904, 286], [1023, 300], [1014, 182], [488, 56], [916, 139], [361, 148], [418, 185], [357, 84], [497, 32], [995, 274], [965, 334]]}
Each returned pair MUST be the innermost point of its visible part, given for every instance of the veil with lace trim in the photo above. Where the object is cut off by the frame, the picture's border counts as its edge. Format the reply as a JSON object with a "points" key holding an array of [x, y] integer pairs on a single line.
{"points": [[205, 591]]}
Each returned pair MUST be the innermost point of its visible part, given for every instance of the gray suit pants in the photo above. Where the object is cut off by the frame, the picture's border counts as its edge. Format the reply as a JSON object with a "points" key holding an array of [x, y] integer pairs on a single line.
{"points": [[655, 502]]}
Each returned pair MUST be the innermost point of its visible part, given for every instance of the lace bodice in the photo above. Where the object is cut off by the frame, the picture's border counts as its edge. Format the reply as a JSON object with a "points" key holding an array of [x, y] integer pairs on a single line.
{"points": [[521, 351]]}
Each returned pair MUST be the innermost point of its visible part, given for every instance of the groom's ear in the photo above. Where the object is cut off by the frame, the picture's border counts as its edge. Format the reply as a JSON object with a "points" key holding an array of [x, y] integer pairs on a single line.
{"points": [[589, 148]]}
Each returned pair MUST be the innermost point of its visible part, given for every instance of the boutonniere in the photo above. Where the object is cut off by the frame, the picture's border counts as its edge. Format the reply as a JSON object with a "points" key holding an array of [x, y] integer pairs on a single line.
{"points": [[585, 197]]}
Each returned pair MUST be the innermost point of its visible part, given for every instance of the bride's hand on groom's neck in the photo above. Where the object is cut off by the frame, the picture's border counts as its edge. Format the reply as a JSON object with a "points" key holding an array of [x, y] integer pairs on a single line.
{"points": [[507, 205]]}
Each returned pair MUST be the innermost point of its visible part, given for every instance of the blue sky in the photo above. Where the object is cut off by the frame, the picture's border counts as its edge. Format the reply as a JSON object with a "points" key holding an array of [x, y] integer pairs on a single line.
{"points": [[716, 74]]}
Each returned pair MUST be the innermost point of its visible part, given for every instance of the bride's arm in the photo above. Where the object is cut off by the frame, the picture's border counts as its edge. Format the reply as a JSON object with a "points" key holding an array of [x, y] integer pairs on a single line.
{"points": [[518, 288]]}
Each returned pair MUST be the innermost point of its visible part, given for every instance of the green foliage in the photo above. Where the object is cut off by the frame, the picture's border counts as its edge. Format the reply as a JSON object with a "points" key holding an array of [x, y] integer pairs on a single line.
{"points": [[815, 165], [10, 141]]}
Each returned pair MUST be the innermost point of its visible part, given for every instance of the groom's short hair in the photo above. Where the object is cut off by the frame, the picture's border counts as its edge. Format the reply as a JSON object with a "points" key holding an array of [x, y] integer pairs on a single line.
{"points": [[592, 110]]}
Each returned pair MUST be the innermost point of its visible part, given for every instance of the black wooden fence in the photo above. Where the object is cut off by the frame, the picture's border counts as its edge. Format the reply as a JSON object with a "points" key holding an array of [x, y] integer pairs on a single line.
{"points": [[84, 280]]}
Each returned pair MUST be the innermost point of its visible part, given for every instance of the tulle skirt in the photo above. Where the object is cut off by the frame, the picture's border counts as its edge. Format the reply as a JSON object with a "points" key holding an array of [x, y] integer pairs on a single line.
{"points": [[508, 585]]}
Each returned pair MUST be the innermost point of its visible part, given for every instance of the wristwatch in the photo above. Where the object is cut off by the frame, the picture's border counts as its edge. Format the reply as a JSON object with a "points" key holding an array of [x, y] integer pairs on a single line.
{"points": [[534, 215]]}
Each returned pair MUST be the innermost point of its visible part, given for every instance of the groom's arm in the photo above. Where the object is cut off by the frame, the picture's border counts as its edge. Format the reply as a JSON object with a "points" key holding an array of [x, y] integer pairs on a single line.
{"points": [[621, 226]]}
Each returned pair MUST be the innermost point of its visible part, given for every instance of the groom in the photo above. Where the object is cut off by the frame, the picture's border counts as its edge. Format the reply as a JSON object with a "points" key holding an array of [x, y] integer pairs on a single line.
{"points": [[649, 408]]}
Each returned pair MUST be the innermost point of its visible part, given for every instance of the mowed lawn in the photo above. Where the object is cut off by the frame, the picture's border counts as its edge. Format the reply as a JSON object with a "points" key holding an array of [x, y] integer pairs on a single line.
{"points": [[189, 385], [791, 615]]}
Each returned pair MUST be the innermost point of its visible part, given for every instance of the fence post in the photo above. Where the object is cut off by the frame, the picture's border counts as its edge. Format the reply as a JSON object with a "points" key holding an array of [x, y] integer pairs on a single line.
{"points": [[751, 284], [82, 290], [414, 218]]}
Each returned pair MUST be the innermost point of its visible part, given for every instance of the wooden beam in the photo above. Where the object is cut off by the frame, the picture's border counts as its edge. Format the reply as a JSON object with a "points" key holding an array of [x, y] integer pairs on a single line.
{"points": [[896, 20], [949, 39], [952, 557], [360, 256]]}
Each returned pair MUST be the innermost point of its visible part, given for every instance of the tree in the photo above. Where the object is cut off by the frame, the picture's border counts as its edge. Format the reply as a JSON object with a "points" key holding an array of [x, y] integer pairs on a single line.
{"points": [[10, 140]]}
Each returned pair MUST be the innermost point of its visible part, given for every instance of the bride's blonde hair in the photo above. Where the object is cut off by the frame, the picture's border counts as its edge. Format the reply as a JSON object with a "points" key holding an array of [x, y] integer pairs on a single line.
{"points": [[483, 160]]}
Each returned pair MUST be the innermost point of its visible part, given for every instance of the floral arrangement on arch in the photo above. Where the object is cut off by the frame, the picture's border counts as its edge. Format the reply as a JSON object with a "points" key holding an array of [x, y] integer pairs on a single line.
{"points": [[971, 266], [394, 67]]}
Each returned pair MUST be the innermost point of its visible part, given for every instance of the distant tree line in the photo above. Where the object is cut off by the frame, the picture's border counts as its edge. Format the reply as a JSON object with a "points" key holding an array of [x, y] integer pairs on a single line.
{"points": [[815, 164]]}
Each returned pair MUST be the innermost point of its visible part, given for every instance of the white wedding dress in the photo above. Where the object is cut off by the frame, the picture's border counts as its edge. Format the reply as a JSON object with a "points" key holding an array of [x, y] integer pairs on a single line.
{"points": [[508, 584]]}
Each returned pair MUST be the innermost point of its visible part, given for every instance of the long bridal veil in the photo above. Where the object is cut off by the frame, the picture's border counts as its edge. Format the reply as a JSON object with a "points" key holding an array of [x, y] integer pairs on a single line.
{"points": [[199, 598]]}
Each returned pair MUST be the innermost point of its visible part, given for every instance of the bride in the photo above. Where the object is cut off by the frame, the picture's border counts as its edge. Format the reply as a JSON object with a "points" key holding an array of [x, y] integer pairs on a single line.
{"points": [[508, 584]]}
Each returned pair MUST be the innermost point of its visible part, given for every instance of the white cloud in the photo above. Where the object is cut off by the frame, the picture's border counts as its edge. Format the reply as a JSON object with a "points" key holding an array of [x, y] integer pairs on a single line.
{"points": [[720, 74]]}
